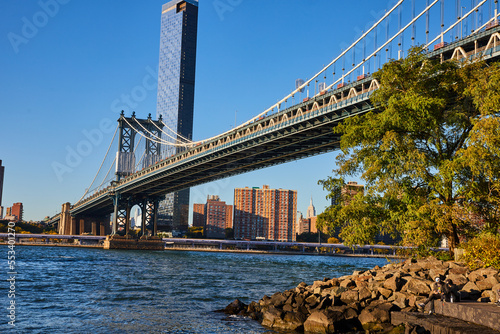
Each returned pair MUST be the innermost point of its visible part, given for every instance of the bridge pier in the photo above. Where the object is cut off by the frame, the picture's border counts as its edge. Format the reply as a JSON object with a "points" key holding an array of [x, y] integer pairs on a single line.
{"points": [[94, 227]]}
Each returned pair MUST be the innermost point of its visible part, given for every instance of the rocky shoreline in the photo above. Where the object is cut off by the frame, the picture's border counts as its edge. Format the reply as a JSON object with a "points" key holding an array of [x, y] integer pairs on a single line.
{"points": [[364, 300]]}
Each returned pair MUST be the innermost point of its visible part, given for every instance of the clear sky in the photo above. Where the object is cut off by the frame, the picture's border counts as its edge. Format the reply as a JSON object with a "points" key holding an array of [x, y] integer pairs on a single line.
{"points": [[68, 66]]}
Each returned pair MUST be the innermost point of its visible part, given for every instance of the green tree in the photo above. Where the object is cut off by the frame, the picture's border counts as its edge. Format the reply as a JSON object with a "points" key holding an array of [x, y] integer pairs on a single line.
{"points": [[412, 151]]}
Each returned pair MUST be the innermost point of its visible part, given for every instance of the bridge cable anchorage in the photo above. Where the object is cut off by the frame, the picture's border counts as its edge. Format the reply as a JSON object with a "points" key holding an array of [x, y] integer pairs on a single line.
{"points": [[102, 163]]}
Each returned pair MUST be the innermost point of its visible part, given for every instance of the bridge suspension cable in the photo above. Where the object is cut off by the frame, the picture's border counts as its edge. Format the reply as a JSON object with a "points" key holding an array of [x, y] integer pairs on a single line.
{"points": [[160, 141], [102, 163]]}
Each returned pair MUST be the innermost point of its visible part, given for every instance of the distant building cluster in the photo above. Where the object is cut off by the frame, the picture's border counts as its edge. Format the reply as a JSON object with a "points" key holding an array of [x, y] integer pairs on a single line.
{"points": [[14, 213], [258, 214]]}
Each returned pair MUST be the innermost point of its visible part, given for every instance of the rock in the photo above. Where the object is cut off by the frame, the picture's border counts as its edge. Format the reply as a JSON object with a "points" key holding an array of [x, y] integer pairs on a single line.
{"points": [[458, 279], [471, 290], [490, 295], [417, 286], [271, 316], [349, 296], [347, 283], [457, 269], [438, 272], [394, 283], [278, 300], [291, 322], [487, 283], [322, 322], [312, 301], [385, 292], [235, 307], [475, 276], [364, 293], [264, 301], [376, 315]]}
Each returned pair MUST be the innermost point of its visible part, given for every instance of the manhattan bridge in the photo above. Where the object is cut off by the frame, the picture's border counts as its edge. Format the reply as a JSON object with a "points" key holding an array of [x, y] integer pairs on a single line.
{"points": [[285, 131]]}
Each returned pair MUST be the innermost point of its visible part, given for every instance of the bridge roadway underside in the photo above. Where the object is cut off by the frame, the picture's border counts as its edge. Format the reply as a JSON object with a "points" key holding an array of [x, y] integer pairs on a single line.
{"points": [[310, 135]]}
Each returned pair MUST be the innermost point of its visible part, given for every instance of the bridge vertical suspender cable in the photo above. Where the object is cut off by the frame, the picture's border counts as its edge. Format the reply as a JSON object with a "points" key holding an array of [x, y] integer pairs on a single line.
{"points": [[105, 156]]}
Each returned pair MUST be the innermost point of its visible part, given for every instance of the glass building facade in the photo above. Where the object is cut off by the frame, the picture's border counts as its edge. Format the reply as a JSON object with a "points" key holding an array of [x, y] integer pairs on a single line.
{"points": [[175, 101]]}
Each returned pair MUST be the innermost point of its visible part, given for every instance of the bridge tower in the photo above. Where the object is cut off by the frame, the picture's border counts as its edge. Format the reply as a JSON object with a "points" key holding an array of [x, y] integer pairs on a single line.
{"points": [[151, 130]]}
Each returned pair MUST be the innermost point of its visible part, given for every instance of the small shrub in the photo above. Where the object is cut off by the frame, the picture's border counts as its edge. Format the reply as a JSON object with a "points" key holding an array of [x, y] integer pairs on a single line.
{"points": [[333, 240], [483, 251]]}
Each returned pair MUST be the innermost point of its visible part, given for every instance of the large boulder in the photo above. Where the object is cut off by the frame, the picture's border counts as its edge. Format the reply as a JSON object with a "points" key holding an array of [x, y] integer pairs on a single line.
{"points": [[322, 322], [486, 284], [349, 296], [393, 283], [278, 299], [458, 279], [271, 316], [235, 307], [416, 286], [291, 321], [376, 315]]}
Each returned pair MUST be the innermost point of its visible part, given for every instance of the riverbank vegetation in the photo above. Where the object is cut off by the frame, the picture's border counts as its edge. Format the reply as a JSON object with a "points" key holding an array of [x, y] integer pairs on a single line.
{"points": [[429, 157]]}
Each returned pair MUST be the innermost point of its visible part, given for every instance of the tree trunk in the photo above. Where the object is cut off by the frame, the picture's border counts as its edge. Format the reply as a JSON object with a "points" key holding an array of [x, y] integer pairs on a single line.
{"points": [[453, 240]]}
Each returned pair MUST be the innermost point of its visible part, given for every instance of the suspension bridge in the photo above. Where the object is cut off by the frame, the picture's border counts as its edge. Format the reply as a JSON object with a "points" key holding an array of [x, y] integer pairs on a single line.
{"points": [[285, 131]]}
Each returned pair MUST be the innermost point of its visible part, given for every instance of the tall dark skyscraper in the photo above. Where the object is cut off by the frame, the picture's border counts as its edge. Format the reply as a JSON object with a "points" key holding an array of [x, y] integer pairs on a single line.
{"points": [[175, 102], [2, 170]]}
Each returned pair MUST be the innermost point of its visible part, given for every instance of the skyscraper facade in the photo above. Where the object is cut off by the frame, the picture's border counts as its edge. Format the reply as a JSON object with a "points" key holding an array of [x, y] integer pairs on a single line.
{"points": [[2, 170], [265, 213], [311, 210], [175, 100]]}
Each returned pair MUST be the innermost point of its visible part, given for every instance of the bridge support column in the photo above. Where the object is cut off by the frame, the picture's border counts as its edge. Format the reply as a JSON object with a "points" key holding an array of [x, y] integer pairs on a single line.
{"points": [[72, 229], [144, 207], [102, 228], [114, 229], [94, 227], [81, 227], [127, 220], [65, 220], [155, 217]]}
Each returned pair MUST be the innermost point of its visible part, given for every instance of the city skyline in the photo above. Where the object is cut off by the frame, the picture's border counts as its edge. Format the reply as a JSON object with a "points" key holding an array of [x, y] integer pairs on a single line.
{"points": [[72, 109]]}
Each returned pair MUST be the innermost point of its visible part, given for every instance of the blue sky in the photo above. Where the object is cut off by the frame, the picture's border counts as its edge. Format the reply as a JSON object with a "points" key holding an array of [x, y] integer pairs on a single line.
{"points": [[67, 66]]}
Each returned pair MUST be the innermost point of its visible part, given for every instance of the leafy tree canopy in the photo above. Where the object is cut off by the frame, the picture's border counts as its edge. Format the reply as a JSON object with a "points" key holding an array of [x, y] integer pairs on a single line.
{"points": [[429, 155]]}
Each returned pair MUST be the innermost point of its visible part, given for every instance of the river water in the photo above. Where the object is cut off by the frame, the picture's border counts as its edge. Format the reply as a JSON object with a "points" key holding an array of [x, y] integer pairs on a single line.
{"points": [[86, 290]]}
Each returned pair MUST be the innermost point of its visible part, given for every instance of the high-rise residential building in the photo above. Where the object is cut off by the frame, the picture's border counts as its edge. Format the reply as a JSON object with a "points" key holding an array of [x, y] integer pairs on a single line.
{"points": [[265, 213], [214, 216], [348, 191], [198, 215], [17, 211], [311, 210], [175, 100]]}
